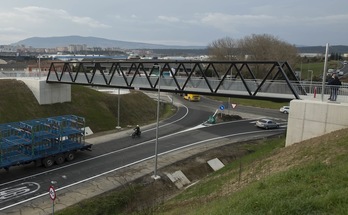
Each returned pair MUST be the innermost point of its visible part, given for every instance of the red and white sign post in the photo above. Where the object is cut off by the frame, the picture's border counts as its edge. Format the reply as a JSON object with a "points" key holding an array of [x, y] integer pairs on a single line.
{"points": [[53, 196]]}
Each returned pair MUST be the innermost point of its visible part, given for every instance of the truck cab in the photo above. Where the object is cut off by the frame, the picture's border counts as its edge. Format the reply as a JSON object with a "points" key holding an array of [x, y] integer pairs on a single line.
{"points": [[192, 97]]}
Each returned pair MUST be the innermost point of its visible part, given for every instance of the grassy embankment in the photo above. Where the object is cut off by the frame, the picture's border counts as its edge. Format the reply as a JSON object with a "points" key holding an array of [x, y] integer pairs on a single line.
{"points": [[306, 178], [17, 103]]}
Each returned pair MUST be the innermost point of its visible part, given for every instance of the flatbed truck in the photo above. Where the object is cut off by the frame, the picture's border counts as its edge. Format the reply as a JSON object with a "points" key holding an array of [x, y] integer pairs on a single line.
{"points": [[45, 141]]}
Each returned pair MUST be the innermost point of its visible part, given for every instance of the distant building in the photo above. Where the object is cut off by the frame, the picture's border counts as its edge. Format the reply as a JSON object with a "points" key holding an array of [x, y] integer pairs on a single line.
{"points": [[77, 48], [8, 48], [311, 55]]}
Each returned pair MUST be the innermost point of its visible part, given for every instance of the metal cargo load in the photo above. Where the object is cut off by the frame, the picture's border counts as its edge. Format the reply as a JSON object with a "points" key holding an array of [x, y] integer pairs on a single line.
{"points": [[45, 141]]}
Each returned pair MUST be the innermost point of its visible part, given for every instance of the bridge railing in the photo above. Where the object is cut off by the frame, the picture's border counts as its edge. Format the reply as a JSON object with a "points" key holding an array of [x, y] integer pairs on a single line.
{"points": [[315, 91]]}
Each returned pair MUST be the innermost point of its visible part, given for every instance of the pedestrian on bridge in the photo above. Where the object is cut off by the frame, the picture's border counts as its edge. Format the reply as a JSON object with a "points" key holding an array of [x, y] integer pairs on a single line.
{"points": [[334, 84]]}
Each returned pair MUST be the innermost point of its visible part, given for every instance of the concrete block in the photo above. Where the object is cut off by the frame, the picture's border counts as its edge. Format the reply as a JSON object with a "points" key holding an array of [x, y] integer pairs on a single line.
{"points": [[215, 164], [179, 179], [88, 131]]}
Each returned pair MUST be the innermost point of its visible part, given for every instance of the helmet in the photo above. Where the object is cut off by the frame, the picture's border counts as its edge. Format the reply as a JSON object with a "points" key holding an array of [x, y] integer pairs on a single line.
{"points": [[137, 125]]}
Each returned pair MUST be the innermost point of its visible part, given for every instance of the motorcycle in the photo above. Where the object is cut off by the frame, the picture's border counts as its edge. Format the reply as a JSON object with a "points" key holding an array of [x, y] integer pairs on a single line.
{"points": [[136, 134]]}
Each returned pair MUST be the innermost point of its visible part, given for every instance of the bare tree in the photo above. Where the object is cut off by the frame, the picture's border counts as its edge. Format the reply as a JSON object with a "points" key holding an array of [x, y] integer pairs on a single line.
{"points": [[262, 47], [267, 47], [223, 49]]}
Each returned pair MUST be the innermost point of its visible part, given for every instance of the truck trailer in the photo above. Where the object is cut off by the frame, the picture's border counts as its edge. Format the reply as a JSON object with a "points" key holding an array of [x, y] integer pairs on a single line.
{"points": [[45, 141]]}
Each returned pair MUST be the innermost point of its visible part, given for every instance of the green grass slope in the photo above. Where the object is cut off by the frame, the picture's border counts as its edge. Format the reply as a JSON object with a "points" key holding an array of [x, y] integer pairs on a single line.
{"points": [[310, 177], [18, 103], [306, 178]]}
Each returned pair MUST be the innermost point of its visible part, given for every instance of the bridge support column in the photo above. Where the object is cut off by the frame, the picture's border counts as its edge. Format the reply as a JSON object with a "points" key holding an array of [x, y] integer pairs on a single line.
{"points": [[308, 119]]}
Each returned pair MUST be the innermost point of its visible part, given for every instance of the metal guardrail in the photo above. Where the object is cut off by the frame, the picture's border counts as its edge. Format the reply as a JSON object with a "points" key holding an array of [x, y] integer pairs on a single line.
{"points": [[316, 92]]}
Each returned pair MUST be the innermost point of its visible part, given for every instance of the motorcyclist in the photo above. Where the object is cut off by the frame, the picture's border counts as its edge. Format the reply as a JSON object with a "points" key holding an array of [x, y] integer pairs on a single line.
{"points": [[137, 130]]}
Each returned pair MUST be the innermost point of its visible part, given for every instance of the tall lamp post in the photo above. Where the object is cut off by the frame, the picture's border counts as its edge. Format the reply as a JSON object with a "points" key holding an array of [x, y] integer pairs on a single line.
{"points": [[39, 66], [118, 110], [324, 72], [310, 85], [155, 176]]}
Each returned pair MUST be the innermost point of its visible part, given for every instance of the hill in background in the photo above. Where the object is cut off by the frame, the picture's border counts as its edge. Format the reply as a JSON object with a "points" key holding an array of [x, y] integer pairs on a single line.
{"points": [[65, 41]]}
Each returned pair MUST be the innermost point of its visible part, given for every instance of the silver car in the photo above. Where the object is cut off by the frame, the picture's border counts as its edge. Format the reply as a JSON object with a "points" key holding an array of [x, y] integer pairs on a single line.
{"points": [[267, 124]]}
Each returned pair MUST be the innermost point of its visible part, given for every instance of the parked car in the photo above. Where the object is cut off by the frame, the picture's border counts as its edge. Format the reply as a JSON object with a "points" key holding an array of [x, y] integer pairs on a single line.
{"points": [[267, 124], [285, 109]]}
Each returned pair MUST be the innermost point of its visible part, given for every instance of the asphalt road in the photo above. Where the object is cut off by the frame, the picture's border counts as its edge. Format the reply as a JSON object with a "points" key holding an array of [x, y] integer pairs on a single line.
{"points": [[28, 183]]}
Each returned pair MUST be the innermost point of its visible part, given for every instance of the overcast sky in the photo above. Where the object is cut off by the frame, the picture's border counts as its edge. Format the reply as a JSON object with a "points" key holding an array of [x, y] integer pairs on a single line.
{"points": [[177, 22]]}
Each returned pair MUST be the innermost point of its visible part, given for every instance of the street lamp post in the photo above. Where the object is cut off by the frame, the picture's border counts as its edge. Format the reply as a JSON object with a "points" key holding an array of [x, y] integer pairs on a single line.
{"points": [[155, 176], [118, 110], [324, 72], [39, 66], [310, 85]]}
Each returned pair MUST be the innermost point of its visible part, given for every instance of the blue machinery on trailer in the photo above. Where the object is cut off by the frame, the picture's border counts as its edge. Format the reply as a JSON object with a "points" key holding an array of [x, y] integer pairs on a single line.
{"points": [[43, 141]]}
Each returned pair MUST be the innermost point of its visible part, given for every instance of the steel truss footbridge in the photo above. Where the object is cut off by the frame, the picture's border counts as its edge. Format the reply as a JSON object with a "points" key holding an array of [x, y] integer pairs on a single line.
{"points": [[264, 80]]}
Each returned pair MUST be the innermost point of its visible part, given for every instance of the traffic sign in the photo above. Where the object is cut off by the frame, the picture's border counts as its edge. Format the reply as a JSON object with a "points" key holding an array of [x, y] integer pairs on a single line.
{"points": [[222, 107], [233, 105], [52, 193]]}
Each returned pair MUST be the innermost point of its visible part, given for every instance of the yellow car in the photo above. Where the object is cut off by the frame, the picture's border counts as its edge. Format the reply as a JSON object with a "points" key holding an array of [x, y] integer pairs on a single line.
{"points": [[192, 97]]}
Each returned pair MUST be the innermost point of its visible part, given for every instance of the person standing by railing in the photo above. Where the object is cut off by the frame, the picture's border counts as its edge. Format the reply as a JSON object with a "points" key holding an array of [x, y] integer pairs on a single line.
{"points": [[334, 84]]}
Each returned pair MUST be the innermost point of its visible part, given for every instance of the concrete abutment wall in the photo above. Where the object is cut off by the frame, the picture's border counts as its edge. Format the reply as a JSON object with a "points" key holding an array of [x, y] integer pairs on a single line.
{"points": [[308, 119], [48, 93]]}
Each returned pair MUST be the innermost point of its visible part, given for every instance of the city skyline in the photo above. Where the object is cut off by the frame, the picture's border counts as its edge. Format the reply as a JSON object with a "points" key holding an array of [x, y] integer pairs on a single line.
{"points": [[183, 23]]}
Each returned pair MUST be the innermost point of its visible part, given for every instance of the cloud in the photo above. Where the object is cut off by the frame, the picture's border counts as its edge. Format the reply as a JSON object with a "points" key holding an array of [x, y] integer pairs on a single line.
{"points": [[10, 30], [228, 23], [88, 22], [169, 18], [44, 15], [330, 19]]}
